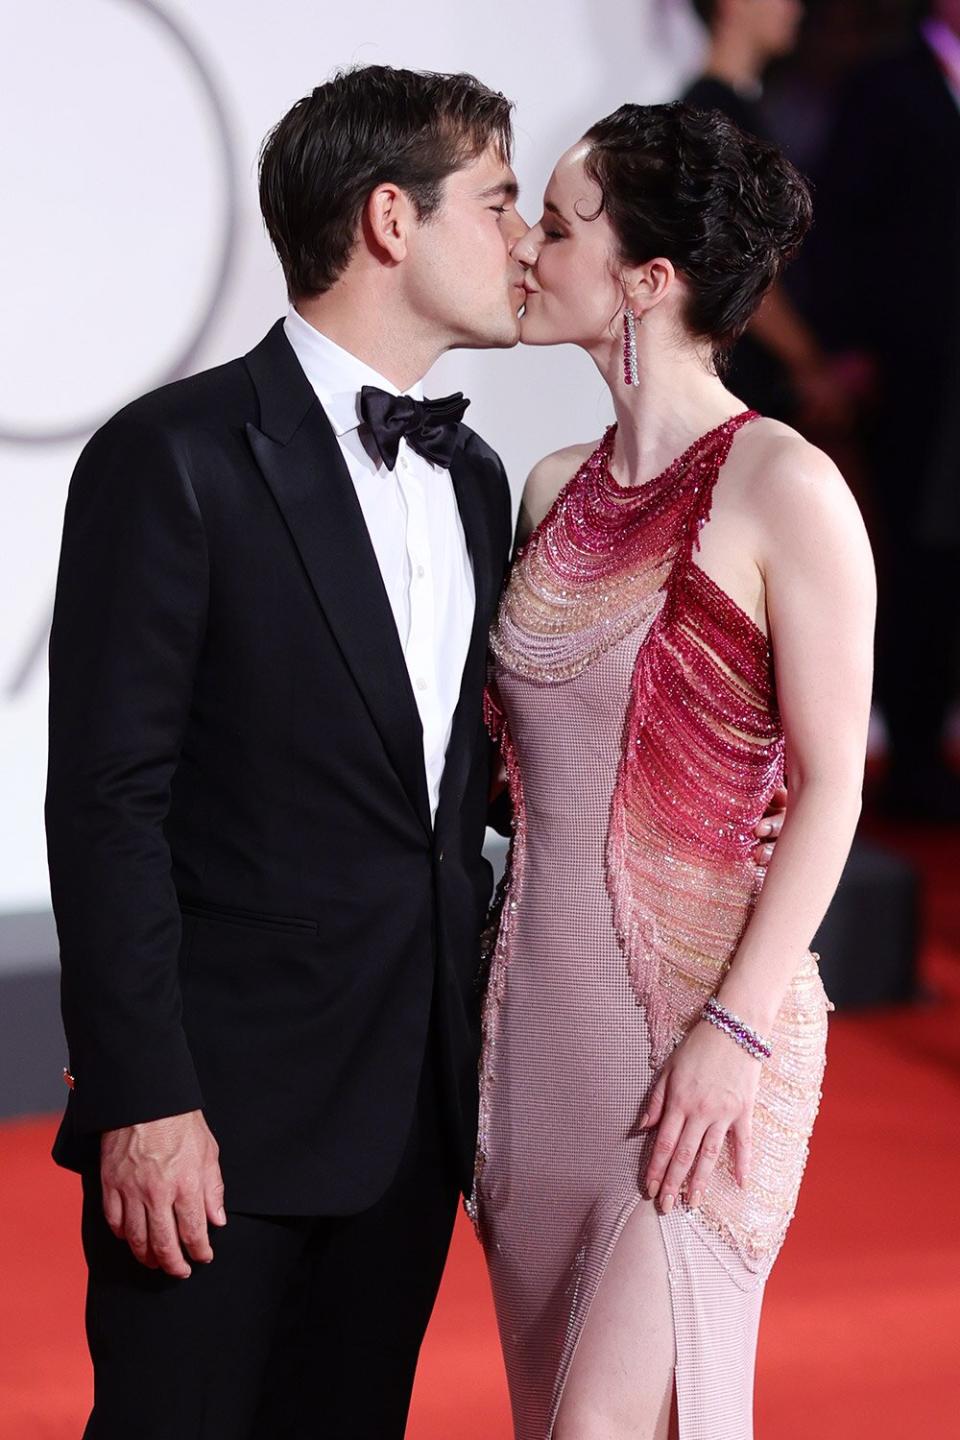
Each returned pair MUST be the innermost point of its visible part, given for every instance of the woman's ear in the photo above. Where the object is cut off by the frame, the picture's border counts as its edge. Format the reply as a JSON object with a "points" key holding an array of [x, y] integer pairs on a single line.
{"points": [[645, 286]]}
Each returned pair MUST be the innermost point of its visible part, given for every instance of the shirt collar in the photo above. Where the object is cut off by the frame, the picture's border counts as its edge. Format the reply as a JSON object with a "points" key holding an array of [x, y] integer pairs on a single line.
{"points": [[336, 376]]}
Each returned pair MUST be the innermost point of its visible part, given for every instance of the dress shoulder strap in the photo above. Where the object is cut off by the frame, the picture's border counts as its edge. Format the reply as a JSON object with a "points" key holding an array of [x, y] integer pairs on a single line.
{"points": [[707, 462]]}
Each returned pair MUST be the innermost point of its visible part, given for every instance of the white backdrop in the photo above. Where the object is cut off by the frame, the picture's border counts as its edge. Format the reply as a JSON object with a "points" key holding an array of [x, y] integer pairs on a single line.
{"points": [[133, 249]]}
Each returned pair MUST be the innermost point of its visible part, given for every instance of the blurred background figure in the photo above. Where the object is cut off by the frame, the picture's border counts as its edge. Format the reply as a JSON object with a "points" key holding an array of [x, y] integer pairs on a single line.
{"points": [[779, 367], [883, 280]]}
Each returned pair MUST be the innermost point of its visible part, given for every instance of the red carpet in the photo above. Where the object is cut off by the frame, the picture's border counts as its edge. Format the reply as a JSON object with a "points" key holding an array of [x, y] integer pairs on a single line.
{"points": [[861, 1330]]}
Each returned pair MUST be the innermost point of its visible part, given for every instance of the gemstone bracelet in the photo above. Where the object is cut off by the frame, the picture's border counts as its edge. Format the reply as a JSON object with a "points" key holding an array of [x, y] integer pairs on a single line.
{"points": [[737, 1029]]}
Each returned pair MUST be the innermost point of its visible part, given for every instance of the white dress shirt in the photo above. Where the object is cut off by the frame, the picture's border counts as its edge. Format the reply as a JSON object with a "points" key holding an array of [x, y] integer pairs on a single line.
{"points": [[417, 535]]}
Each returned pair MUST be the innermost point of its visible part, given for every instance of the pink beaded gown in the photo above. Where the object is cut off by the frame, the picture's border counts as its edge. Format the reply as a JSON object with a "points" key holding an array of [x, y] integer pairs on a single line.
{"points": [[635, 707]]}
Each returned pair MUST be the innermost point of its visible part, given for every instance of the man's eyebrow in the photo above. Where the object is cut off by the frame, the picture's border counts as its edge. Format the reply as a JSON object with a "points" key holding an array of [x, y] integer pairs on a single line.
{"points": [[549, 205], [507, 189]]}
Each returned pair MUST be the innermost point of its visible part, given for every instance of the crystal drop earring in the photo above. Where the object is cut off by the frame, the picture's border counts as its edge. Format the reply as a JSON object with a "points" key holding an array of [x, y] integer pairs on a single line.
{"points": [[630, 323]]}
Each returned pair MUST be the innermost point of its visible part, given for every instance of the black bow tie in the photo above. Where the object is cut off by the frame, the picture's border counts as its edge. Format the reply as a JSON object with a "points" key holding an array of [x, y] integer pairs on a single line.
{"points": [[430, 426]]}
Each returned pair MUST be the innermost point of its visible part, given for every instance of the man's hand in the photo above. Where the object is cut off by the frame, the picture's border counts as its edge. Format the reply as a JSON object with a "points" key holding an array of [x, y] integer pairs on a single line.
{"points": [[161, 1185], [768, 830]]}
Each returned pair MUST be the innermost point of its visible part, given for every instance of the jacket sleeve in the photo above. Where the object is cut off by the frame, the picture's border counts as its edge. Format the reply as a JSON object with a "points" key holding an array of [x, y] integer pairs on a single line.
{"points": [[128, 625]]}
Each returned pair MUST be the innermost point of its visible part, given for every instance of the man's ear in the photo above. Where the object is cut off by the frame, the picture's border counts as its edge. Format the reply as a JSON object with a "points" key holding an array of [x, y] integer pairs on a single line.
{"points": [[388, 217]]}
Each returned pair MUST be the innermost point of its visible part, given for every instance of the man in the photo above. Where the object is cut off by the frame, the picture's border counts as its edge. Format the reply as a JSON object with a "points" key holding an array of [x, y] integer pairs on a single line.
{"points": [[885, 266], [779, 367], [267, 796]]}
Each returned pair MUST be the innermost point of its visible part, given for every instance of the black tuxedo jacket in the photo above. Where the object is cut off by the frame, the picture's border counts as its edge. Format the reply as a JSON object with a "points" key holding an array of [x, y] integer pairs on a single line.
{"points": [[256, 916]]}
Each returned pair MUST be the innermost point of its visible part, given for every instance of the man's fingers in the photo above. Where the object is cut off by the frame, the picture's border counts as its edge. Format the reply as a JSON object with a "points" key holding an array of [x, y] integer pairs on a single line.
{"points": [[771, 823], [113, 1209], [136, 1232], [192, 1228], [213, 1199], [165, 1243]]}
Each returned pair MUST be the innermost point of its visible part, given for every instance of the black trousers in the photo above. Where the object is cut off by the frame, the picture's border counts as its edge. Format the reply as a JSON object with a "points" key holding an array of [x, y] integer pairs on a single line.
{"points": [[300, 1329]]}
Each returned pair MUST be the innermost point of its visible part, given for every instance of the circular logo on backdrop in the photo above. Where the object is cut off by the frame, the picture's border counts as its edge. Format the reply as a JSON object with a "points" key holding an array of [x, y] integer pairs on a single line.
{"points": [[129, 221]]}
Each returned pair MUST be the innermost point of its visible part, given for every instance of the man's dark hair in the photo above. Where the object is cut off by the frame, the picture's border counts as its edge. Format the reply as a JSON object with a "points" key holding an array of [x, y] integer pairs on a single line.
{"points": [[366, 126]]}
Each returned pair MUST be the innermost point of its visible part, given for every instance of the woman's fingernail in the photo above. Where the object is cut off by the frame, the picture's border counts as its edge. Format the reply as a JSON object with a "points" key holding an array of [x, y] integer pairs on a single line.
{"points": [[695, 1199], [767, 852], [221, 1216], [764, 829], [667, 1205], [644, 1119], [652, 1187]]}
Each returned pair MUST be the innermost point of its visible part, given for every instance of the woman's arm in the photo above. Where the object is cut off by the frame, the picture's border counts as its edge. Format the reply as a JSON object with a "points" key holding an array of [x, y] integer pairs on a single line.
{"points": [[821, 601]]}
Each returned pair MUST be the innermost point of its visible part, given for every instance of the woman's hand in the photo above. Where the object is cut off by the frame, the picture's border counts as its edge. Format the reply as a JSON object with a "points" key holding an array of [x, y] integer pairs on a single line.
{"points": [[707, 1087]]}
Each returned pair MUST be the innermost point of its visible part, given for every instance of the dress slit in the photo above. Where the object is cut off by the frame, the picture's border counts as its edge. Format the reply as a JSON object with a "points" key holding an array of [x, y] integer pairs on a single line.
{"points": [[626, 1215], [560, 1386]]}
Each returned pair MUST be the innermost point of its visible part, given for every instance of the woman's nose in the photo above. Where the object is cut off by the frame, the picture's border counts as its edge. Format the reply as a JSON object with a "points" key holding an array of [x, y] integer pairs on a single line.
{"points": [[525, 248]]}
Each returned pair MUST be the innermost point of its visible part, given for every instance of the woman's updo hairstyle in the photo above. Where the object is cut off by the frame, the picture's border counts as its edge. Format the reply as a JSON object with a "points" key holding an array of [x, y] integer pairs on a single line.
{"points": [[726, 209]]}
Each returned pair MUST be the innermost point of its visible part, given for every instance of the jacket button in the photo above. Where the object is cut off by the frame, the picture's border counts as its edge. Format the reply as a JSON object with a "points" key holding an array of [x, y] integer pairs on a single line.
{"points": [[439, 857], [69, 1079]]}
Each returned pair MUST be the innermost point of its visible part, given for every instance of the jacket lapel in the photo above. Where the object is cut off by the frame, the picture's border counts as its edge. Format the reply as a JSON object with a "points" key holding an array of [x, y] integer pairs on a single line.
{"points": [[301, 461]]}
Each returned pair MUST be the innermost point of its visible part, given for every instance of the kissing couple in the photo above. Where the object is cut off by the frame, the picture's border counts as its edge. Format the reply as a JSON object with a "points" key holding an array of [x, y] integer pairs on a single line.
{"points": [[293, 666]]}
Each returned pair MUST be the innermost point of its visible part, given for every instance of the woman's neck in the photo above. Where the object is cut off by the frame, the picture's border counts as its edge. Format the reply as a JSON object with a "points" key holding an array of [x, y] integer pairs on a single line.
{"points": [[679, 398]]}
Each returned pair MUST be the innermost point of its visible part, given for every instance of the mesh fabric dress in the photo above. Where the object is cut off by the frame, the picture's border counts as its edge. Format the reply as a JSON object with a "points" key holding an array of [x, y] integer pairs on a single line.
{"points": [[635, 707]]}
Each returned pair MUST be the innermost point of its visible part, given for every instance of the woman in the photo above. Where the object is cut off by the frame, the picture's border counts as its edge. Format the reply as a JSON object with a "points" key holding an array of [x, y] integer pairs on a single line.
{"points": [[655, 1024]]}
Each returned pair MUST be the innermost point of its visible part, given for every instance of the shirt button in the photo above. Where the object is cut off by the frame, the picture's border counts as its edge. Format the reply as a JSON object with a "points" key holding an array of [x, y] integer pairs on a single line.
{"points": [[421, 683], [420, 572]]}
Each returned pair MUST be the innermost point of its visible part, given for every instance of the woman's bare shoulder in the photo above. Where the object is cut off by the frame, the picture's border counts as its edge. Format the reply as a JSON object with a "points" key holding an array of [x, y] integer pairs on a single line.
{"points": [[796, 491], [544, 483], [782, 472]]}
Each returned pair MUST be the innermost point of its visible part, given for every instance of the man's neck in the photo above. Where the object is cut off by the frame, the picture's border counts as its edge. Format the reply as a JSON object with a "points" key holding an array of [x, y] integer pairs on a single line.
{"points": [[390, 344], [735, 60]]}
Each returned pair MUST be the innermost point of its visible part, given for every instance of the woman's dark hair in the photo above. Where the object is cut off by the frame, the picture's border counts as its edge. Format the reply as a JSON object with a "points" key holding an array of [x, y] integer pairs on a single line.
{"points": [[728, 210], [366, 126]]}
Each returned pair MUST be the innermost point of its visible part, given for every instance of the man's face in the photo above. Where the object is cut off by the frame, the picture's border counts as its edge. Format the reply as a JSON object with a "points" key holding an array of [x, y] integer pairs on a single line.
{"points": [[461, 278]]}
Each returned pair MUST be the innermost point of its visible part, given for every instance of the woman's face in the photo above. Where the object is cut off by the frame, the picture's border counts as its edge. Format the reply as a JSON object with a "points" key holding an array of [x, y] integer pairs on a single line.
{"points": [[573, 295]]}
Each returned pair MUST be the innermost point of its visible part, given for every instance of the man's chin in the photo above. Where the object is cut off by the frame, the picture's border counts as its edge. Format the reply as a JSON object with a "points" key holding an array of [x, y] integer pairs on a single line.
{"points": [[503, 337]]}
